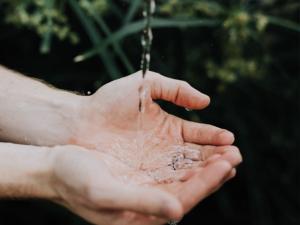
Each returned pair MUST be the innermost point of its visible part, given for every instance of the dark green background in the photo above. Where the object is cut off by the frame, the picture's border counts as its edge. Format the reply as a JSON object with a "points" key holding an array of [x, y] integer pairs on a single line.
{"points": [[263, 112]]}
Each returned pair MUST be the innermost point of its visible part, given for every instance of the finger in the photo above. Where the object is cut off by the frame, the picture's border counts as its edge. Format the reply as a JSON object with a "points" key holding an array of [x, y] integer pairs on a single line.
{"points": [[177, 91], [226, 179], [231, 175], [192, 154], [142, 200], [205, 134], [232, 155], [212, 153], [212, 159], [208, 150], [204, 183]]}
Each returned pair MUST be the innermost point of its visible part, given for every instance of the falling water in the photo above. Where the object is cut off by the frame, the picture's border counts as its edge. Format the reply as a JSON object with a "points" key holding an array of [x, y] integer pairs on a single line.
{"points": [[146, 41], [147, 35]]}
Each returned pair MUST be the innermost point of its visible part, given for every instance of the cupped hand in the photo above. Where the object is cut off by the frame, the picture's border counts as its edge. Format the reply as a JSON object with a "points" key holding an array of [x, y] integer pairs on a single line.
{"points": [[154, 141], [85, 185], [114, 108], [155, 148]]}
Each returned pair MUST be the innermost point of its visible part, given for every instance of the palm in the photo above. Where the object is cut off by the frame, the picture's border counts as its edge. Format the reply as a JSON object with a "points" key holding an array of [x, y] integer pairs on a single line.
{"points": [[149, 147], [158, 149], [104, 172]]}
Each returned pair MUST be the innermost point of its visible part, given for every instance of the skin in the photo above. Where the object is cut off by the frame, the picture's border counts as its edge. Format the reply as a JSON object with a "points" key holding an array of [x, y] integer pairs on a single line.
{"points": [[146, 143], [110, 182], [70, 176]]}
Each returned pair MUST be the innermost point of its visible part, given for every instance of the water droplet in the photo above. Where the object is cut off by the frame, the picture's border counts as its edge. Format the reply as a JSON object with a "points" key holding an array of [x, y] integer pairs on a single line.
{"points": [[150, 36], [89, 93], [148, 57], [189, 110], [143, 41], [152, 7]]}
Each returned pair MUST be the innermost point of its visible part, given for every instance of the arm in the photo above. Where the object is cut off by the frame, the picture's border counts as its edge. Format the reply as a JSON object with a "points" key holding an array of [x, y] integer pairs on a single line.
{"points": [[80, 180], [33, 113], [24, 172]]}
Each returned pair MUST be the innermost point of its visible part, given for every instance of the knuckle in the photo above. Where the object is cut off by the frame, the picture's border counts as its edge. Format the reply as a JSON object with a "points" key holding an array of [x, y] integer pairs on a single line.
{"points": [[154, 75], [184, 83], [199, 133]]}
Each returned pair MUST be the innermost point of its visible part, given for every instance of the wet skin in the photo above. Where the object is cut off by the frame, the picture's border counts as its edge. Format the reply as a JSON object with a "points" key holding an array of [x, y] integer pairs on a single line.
{"points": [[168, 153]]}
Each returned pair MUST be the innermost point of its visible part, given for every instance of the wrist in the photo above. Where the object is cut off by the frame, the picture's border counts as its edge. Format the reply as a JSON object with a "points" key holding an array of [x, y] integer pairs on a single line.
{"points": [[62, 161], [43, 175], [67, 110], [60, 124], [26, 172]]}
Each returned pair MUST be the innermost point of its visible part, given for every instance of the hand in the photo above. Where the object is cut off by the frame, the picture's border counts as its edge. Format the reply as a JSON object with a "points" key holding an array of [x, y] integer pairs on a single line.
{"points": [[83, 183], [109, 122], [157, 153]]}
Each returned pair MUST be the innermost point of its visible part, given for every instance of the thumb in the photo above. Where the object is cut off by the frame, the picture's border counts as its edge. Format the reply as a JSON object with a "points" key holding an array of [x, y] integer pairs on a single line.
{"points": [[176, 91], [145, 200]]}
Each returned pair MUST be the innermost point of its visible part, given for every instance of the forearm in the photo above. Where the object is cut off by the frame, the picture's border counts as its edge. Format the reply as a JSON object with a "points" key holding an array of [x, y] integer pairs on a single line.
{"points": [[25, 172], [33, 113]]}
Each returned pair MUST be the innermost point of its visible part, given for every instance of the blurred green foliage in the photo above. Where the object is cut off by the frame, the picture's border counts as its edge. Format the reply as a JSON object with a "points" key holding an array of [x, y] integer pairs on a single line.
{"points": [[239, 27], [243, 53]]}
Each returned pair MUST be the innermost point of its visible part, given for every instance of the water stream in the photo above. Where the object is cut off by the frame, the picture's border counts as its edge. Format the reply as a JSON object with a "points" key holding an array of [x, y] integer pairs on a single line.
{"points": [[146, 42], [147, 36]]}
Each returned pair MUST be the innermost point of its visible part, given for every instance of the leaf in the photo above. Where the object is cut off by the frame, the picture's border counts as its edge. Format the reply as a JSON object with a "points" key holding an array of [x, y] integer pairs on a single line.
{"points": [[116, 46], [139, 25], [96, 39], [134, 6], [284, 23], [46, 42], [115, 9]]}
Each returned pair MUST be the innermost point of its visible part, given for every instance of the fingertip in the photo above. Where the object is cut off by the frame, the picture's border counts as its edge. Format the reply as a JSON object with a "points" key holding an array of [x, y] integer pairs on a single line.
{"points": [[226, 137], [206, 98], [174, 210], [238, 153], [203, 100], [233, 156], [232, 173]]}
